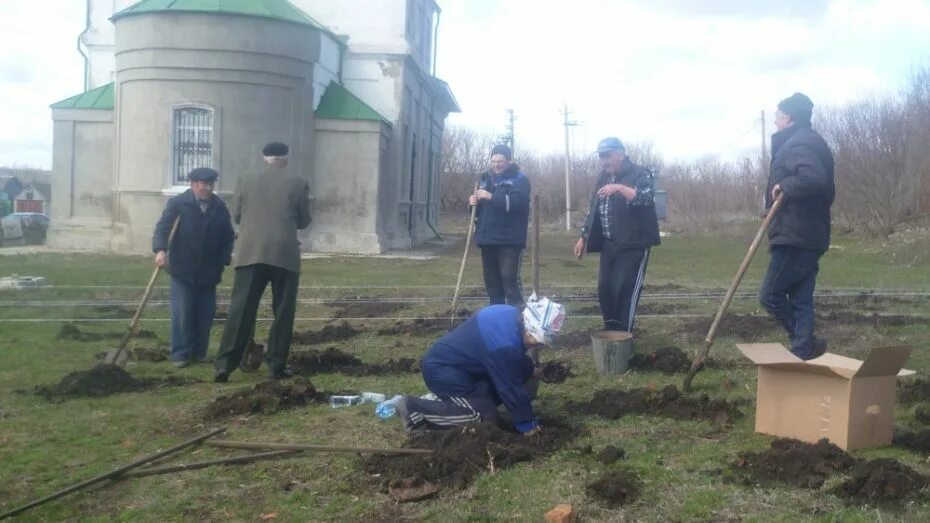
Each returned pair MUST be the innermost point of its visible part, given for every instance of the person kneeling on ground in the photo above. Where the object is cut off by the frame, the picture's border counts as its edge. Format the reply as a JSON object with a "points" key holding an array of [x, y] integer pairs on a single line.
{"points": [[483, 363]]}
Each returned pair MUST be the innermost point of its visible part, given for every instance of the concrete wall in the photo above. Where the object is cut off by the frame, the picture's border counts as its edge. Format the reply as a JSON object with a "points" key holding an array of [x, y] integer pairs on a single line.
{"points": [[255, 74], [349, 160], [82, 179]]}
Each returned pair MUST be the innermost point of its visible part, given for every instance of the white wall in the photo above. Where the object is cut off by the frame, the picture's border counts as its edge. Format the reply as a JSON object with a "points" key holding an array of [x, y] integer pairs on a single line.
{"points": [[98, 40]]}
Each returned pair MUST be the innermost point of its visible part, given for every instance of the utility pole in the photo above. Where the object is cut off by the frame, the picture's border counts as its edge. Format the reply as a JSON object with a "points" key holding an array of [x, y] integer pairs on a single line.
{"points": [[510, 132], [568, 188]]}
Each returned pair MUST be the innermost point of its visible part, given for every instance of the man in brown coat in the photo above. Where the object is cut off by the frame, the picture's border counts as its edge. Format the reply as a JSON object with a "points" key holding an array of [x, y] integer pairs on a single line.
{"points": [[270, 207]]}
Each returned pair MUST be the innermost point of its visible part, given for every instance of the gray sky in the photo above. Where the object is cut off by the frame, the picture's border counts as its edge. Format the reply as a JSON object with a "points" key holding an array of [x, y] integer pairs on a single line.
{"points": [[689, 76]]}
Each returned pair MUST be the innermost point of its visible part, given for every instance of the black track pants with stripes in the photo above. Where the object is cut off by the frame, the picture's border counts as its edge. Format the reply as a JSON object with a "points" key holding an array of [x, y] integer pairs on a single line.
{"points": [[449, 411], [619, 285]]}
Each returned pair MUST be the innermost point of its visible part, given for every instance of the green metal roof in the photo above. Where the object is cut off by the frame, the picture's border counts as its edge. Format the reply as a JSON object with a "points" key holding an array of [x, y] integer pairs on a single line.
{"points": [[274, 9], [338, 103], [99, 98]]}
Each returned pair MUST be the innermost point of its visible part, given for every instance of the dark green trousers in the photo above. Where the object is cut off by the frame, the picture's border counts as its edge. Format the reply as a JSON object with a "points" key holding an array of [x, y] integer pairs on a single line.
{"points": [[248, 287]]}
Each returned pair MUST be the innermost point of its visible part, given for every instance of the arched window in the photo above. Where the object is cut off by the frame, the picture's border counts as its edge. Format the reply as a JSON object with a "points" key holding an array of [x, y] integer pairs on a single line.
{"points": [[193, 141]]}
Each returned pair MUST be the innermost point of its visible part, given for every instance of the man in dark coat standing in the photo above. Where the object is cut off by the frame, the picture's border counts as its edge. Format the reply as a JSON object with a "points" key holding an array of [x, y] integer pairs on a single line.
{"points": [[621, 225], [195, 258], [270, 207], [503, 200], [801, 171]]}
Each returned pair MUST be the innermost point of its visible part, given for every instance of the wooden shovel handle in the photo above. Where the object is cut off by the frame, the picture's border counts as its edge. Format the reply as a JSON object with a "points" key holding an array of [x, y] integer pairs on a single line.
{"points": [[712, 332], [458, 282]]}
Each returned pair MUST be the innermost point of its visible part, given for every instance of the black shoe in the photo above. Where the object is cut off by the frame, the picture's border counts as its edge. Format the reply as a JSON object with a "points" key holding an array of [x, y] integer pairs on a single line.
{"points": [[221, 377], [819, 347], [286, 373]]}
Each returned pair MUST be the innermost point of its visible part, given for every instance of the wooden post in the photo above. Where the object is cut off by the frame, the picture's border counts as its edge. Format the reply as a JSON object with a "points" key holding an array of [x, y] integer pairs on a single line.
{"points": [[318, 448]]}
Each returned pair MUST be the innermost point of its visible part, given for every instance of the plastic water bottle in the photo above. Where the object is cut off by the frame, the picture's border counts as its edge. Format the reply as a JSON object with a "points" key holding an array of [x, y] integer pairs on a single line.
{"points": [[373, 397], [344, 401], [388, 408]]}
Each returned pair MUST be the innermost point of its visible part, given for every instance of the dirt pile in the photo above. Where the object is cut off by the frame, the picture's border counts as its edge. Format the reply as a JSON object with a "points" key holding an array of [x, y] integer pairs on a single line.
{"points": [[150, 353], [666, 359], [791, 461], [329, 333], [421, 326], [615, 488], [922, 414], [745, 327], [461, 453], [366, 309], [610, 454], [882, 480], [865, 320], [914, 391], [334, 360], [265, 398], [668, 402], [104, 380], [70, 331], [554, 372], [919, 441]]}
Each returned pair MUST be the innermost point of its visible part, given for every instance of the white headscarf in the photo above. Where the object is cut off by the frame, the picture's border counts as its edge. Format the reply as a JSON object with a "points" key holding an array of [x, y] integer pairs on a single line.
{"points": [[542, 318]]}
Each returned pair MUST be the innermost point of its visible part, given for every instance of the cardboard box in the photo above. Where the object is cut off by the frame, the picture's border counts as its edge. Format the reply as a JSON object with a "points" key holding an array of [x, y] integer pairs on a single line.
{"points": [[848, 401]]}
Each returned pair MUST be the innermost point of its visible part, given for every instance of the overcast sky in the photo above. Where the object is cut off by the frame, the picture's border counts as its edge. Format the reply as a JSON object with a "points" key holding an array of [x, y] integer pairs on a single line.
{"points": [[689, 76]]}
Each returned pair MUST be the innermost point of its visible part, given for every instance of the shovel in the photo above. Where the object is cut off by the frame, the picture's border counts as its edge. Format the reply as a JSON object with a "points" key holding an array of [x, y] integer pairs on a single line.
{"points": [[698, 362], [118, 356], [458, 282]]}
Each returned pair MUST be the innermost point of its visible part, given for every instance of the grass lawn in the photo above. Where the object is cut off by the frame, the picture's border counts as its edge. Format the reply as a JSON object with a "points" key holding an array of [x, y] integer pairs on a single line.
{"points": [[45, 446]]}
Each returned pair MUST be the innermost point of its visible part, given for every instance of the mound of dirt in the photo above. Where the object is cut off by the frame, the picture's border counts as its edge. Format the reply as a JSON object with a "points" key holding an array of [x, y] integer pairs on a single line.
{"points": [[327, 334], [572, 340], [461, 453], [104, 380], [914, 391], [334, 360], [150, 353], [265, 398], [919, 441], [554, 372], [610, 454], [421, 326], [791, 461], [866, 320], [666, 359], [615, 488], [366, 309], [922, 414], [882, 480], [70, 331], [667, 402]]}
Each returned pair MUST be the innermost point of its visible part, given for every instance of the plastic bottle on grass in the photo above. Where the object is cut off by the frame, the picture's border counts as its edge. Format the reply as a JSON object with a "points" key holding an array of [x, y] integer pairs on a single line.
{"points": [[344, 401], [388, 408]]}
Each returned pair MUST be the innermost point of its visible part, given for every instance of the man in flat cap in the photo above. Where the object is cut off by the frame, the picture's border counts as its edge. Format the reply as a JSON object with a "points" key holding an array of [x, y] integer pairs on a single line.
{"points": [[270, 207], [195, 257], [621, 225], [801, 171]]}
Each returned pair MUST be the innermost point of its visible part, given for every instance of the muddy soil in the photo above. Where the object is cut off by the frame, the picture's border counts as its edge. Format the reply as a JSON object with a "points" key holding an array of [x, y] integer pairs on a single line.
{"points": [[666, 359], [922, 414], [366, 309], [334, 360], [744, 327], [610, 454], [555, 372], [329, 333], [881, 480], [864, 320], [104, 380], [919, 441], [421, 326], [461, 453], [803, 465], [616, 488], [668, 402], [70, 331], [265, 398], [150, 353], [913, 391]]}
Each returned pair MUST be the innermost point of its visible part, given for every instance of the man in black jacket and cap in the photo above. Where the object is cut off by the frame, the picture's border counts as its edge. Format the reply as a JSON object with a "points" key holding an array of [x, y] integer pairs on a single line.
{"points": [[802, 172], [621, 225], [201, 247]]}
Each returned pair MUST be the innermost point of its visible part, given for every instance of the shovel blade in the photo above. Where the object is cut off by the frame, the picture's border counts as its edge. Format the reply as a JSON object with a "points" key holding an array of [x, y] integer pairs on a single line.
{"points": [[116, 357]]}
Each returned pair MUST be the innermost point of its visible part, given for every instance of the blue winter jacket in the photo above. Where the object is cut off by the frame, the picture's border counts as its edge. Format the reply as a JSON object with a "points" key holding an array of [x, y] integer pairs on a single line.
{"points": [[203, 243], [504, 218], [486, 349]]}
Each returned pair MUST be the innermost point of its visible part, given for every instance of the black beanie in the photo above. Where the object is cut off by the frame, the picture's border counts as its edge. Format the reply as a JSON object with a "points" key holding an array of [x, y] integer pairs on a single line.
{"points": [[799, 107], [275, 149], [502, 149]]}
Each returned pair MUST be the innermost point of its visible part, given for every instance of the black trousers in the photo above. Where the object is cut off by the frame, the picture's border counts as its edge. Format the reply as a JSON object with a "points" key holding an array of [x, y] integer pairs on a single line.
{"points": [[501, 265], [619, 284], [248, 288]]}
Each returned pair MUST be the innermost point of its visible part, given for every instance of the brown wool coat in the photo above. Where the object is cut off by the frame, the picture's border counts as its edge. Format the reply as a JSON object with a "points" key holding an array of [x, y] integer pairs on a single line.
{"points": [[270, 207]]}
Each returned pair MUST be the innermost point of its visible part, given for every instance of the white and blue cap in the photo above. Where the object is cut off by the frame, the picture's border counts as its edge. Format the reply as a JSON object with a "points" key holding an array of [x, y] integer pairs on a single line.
{"points": [[543, 318], [610, 143]]}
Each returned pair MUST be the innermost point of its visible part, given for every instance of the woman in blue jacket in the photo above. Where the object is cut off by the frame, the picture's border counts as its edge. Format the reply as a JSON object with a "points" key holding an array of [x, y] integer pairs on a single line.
{"points": [[503, 200], [484, 363]]}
